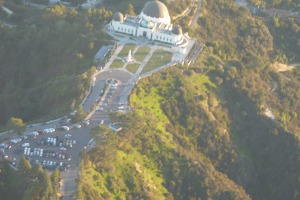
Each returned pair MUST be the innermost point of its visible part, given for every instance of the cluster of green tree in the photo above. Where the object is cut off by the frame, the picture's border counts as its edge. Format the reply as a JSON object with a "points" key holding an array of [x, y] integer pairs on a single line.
{"points": [[147, 163], [28, 182], [133, 7], [284, 101], [176, 7], [45, 64], [123, 6], [199, 132], [248, 74], [39, 1], [286, 34], [276, 3]]}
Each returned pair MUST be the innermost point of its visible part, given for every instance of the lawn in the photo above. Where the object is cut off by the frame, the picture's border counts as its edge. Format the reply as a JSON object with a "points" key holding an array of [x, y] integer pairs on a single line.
{"points": [[141, 53], [117, 63], [132, 67], [124, 52], [159, 58]]}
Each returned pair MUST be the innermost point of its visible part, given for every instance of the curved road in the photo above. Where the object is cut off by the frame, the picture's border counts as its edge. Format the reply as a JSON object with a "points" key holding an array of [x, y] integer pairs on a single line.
{"points": [[196, 15], [110, 102]]}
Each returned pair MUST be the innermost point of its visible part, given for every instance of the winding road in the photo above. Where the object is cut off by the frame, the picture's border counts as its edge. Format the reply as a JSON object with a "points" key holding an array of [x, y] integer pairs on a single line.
{"points": [[196, 15]]}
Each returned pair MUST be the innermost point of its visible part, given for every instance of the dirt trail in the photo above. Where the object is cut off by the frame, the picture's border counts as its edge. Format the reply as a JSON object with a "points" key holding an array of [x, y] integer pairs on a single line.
{"points": [[280, 67]]}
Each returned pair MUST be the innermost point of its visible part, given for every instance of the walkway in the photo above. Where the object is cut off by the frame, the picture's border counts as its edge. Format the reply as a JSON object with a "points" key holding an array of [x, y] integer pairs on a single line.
{"points": [[196, 15]]}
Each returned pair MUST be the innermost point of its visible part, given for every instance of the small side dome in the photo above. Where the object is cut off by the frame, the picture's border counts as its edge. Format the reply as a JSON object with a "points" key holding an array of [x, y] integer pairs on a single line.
{"points": [[177, 30], [118, 17]]}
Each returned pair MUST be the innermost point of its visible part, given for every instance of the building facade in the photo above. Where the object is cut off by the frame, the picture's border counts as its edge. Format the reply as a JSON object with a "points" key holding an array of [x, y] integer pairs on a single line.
{"points": [[153, 22]]}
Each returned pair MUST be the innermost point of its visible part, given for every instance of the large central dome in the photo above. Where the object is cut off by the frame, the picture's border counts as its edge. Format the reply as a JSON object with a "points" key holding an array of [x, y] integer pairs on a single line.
{"points": [[156, 9]]}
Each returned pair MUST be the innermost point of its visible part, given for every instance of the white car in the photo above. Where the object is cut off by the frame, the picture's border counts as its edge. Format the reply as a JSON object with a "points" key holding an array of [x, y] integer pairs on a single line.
{"points": [[25, 145], [100, 108], [13, 141], [18, 139], [34, 133], [28, 152], [102, 121], [66, 128], [78, 126], [25, 150]]}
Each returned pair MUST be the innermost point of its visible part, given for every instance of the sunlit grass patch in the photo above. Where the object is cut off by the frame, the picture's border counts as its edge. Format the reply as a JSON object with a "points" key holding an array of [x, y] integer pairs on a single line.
{"points": [[141, 53], [132, 67], [124, 52], [117, 63], [158, 59]]}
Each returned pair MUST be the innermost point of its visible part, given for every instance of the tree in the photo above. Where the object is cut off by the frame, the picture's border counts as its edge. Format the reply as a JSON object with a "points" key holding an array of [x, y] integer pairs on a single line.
{"points": [[130, 10], [16, 124], [47, 188], [24, 166], [37, 171], [80, 114], [58, 11], [56, 177]]}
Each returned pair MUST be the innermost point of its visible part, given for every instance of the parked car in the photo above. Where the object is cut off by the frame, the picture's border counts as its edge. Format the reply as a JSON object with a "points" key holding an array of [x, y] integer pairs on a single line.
{"points": [[66, 128], [26, 145]]}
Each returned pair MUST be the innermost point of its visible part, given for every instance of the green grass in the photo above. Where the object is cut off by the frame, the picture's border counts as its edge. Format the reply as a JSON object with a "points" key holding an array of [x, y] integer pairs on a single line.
{"points": [[124, 52], [159, 58], [117, 63], [132, 67], [141, 53]]}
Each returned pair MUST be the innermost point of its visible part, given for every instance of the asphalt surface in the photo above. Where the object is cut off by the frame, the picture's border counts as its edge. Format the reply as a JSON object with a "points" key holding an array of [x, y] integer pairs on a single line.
{"points": [[113, 100]]}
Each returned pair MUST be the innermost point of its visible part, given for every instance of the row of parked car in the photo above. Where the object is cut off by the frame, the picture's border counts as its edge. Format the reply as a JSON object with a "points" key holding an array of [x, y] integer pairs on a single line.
{"points": [[51, 165], [39, 152], [60, 128], [7, 144], [55, 141]]}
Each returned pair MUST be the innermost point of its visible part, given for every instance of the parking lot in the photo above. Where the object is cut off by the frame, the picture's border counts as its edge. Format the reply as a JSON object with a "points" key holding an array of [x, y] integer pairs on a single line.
{"points": [[55, 149], [55, 146]]}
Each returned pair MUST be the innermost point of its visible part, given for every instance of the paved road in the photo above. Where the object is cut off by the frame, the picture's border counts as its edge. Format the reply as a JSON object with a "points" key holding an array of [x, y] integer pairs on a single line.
{"points": [[113, 100], [196, 15]]}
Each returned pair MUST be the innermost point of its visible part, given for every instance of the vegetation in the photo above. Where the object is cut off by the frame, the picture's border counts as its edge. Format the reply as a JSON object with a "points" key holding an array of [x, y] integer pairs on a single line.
{"points": [[117, 63], [141, 53], [276, 3], [199, 132], [28, 182], [79, 115], [196, 132], [133, 67], [16, 124], [124, 52], [158, 59], [286, 33], [43, 62]]}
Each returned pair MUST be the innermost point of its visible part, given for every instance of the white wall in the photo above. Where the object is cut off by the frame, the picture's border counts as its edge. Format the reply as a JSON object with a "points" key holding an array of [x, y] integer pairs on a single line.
{"points": [[157, 36], [123, 28]]}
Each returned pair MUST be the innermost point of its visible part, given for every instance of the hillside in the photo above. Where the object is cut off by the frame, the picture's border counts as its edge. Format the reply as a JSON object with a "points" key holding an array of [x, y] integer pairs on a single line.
{"points": [[28, 182], [196, 132], [44, 60], [200, 132]]}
